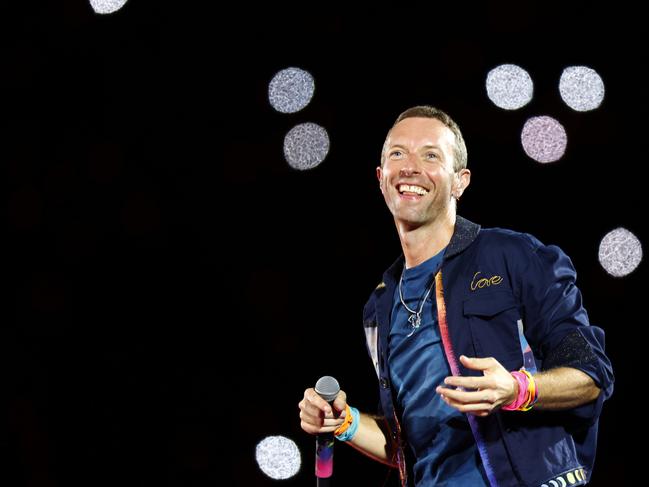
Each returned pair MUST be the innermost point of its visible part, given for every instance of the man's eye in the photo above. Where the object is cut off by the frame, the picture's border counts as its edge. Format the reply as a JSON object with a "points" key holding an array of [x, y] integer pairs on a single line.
{"points": [[396, 153], [431, 155]]}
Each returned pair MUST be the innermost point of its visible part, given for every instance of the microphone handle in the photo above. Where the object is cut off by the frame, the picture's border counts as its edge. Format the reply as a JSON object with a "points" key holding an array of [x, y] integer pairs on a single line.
{"points": [[324, 459], [322, 482], [328, 388], [324, 455]]}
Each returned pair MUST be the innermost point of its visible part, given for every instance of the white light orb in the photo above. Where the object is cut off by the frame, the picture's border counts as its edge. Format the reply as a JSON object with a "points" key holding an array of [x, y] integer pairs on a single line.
{"points": [[581, 88], [544, 139], [278, 457], [620, 252], [306, 145], [106, 6], [509, 86], [291, 90]]}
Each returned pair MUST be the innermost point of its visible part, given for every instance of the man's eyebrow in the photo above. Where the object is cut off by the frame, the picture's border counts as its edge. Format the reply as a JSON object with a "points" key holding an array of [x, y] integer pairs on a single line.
{"points": [[425, 147]]}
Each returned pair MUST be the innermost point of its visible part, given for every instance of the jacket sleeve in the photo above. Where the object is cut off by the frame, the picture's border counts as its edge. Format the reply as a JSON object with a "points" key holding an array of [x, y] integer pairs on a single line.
{"points": [[557, 324]]}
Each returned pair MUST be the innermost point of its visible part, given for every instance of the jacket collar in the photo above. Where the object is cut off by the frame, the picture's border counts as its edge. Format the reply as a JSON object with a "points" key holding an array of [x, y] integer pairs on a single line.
{"points": [[464, 234]]}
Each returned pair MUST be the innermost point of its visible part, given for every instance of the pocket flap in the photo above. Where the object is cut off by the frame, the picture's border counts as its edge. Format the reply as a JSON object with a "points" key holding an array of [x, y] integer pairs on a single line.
{"points": [[489, 304]]}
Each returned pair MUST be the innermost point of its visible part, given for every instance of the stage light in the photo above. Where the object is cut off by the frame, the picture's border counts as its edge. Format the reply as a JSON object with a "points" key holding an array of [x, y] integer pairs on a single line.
{"points": [[106, 6], [509, 86], [306, 145], [620, 252], [278, 457], [544, 139], [581, 88], [291, 90]]}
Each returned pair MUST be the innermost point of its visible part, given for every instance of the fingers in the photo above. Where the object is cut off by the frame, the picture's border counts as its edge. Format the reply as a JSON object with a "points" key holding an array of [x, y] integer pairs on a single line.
{"points": [[470, 382], [477, 409], [340, 402], [468, 397], [314, 399], [316, 414], [475, 363], [480, 403]]}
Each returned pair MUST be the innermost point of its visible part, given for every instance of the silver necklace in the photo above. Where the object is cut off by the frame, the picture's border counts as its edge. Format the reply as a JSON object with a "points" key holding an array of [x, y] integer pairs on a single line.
{"points": [[415, 316]]}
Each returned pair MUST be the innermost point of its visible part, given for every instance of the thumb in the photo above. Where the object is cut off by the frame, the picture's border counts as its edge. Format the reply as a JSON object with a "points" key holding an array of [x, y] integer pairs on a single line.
{"points": [[340, 402], [475, 363]]}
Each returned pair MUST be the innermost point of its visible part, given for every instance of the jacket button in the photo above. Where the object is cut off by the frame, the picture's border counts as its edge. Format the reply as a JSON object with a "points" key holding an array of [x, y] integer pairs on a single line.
{"points": [[384, 383]]}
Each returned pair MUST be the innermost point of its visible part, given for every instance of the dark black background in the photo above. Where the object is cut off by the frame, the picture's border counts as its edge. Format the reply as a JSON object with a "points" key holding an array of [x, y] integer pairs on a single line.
{"points": [[172, 286]]}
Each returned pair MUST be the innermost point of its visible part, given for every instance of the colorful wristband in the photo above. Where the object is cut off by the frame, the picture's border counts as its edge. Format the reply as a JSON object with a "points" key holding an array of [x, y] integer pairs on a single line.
{"points": [[521, 380], [532, 392], [348, 420], [349, 427], [528, 393]]}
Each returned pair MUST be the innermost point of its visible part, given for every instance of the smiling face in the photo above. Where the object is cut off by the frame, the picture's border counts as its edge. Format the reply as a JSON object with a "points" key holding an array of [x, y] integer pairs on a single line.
{"points": [[417, 178]]}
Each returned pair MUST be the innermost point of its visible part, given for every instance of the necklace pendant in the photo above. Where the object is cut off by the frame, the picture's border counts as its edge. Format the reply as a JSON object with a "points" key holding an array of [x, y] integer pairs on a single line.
{"points": [[415, 320]]}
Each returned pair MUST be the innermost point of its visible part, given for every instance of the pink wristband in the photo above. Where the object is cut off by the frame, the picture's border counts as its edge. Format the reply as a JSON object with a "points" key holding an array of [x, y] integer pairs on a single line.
{"points": [[523, 383]]}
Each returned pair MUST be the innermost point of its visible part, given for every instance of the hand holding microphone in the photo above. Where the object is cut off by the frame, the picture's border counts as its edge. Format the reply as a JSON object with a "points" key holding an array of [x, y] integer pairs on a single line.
{"points": [[327, 388], [320, 414]]}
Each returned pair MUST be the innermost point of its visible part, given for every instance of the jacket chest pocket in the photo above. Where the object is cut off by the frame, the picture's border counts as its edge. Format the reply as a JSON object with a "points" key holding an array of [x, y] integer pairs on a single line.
{"points": [[493, 319]]}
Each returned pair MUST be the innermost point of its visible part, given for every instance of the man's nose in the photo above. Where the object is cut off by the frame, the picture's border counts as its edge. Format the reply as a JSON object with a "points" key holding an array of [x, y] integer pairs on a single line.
{"points": [[410, 166]]}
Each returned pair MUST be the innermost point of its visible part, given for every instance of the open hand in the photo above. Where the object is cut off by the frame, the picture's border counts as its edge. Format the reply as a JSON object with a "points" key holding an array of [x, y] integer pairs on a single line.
{"points": [[480, 395]]}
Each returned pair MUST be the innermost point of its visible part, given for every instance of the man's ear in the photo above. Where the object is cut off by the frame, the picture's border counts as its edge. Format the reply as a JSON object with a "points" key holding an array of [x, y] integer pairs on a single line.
{"points": [[463, 179], [379, 176]]}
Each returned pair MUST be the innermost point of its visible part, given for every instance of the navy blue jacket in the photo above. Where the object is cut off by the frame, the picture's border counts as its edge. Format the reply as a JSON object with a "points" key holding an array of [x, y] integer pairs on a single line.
{"points": [[492, 280]]}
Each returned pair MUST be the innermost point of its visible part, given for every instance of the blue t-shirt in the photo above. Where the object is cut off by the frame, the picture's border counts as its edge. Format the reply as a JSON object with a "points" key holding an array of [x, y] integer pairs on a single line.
{"points": [[440, 436]]}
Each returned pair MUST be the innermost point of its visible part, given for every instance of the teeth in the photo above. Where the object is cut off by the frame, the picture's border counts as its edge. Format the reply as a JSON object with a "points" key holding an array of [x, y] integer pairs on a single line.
{"points": [[412, 189]]}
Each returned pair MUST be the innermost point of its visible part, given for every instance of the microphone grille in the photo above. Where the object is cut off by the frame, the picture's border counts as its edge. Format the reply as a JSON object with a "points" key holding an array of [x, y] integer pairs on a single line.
{"points": [[327, 388]]}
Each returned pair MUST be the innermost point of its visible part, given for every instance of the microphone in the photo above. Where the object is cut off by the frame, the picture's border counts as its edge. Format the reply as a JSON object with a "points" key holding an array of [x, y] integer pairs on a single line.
{"points": [[327, 388]]}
